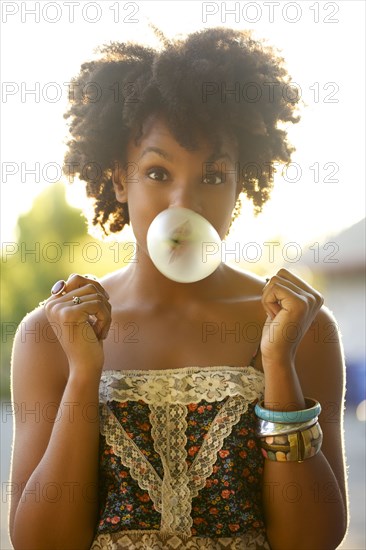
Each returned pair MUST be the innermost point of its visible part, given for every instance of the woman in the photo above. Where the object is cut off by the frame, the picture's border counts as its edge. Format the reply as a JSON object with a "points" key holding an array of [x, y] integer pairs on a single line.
{"points": [[203, 440]]}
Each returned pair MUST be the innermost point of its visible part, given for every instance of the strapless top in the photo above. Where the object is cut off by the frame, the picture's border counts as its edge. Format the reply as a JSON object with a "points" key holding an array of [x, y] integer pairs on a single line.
{"points": [[180, 464]]}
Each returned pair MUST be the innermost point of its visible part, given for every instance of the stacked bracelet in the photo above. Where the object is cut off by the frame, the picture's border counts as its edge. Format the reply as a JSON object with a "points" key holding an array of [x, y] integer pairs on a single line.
{"points": [[290, 435], [265, 428], [312, 410], [297, 446]]}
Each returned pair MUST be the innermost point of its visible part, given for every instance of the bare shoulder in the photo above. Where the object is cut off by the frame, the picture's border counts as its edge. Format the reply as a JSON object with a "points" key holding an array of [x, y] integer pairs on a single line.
{"points": [[39, 367], [37, 348], [115, 276], [244, 283]]}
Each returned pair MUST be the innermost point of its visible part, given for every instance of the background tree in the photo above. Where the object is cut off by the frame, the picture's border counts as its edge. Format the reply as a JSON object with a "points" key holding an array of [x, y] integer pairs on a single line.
{"points": [[52, 242]]}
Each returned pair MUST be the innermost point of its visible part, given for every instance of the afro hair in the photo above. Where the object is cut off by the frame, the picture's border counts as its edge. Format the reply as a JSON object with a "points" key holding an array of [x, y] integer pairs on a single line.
{"points": [[217, 81]]}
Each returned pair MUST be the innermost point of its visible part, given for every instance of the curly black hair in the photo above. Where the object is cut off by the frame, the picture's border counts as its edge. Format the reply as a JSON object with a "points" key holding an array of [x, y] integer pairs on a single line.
{"points": [[217, 81]]}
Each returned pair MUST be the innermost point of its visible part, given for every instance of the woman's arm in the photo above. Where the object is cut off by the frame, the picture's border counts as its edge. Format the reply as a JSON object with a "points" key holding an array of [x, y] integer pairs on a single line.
{"points": [[306, 503], [55, 455]]}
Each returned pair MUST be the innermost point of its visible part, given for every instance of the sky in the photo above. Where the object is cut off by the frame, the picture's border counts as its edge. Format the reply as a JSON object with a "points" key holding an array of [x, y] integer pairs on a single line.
{"points": [[322, 192]]}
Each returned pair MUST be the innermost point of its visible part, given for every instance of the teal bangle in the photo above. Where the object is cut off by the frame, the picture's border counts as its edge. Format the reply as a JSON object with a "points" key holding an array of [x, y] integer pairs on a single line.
{"points": [[312, 410]]}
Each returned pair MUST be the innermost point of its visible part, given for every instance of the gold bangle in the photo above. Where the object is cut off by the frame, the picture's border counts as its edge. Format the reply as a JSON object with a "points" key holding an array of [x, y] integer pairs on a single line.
{"points": [[293, 447]]}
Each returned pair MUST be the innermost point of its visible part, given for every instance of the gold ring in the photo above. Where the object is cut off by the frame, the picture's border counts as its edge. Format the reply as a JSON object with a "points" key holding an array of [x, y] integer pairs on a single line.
{"points": [[76, 300]]}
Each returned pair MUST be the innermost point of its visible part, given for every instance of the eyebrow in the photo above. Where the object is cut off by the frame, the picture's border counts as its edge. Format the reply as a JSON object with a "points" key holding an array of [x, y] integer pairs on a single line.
{"points": [[158, 151], [214, 156]]}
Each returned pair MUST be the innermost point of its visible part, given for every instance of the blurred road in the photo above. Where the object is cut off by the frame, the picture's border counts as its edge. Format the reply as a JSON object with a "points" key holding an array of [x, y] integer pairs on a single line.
{"points": [[356, 458]]}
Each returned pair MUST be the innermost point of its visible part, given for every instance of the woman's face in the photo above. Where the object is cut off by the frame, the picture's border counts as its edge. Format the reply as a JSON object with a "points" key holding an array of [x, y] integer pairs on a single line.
{"points": [[162, 174]]}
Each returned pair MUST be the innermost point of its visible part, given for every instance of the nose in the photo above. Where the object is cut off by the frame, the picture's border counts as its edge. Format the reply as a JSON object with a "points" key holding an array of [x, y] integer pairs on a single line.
{"points": [[185, 195]]}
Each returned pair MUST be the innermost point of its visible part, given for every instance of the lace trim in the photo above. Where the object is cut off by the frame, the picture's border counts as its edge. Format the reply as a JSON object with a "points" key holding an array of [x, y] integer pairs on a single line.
{"points": [[123, 446], [182, 385], [149, 540], [220, 428], [169, 428], [173, 495]]}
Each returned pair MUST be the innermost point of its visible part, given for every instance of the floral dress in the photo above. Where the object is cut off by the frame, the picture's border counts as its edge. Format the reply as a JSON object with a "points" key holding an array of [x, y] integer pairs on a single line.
{"points": [[180, 465]]}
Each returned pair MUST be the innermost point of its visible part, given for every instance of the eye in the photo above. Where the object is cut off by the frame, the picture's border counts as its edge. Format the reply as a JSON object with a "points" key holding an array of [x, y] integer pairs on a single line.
{"points": [[157, 174], [213, 179]]}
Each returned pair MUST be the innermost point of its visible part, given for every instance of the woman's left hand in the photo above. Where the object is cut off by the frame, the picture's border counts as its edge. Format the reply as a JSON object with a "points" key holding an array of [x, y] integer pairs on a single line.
{"points": [[291, 306]]}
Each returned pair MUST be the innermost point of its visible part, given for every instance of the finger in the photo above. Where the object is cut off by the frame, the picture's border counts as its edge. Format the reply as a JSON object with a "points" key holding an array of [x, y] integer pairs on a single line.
{"points": [[276, 287], [94, 310], [90, 288], [90, 296], [61, 287], [68, 293], [272, 303], [99, 316], [80, 296], [279, 297], [287, 275], [83, 304], [90, 276], [305, 290], [77, 281]]}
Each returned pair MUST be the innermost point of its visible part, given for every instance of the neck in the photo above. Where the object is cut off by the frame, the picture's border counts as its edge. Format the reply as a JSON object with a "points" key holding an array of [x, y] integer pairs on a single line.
{"points": [[147, 284]]}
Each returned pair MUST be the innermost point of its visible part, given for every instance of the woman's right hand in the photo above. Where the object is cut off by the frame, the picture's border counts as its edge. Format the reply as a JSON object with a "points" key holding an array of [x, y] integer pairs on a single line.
{"points": [[80, 327]]}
